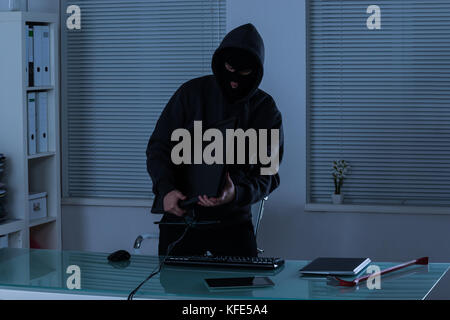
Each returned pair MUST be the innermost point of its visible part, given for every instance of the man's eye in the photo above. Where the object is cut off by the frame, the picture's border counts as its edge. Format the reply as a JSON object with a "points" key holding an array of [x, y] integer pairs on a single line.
{"points": [[245, 72], [229, 68]]}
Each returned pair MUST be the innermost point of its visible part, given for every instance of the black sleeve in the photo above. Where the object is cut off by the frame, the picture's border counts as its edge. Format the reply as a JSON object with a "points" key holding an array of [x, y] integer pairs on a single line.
{"points": [[251, 186], [159, 163]]}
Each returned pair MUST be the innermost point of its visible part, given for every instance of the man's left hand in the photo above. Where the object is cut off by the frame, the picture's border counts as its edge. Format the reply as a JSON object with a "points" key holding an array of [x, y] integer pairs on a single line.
{"points": [[228, 194]]}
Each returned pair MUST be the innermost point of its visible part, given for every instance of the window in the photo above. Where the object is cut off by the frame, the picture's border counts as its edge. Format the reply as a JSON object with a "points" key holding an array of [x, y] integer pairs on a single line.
{"points": [[379, 99], [118, 72]]}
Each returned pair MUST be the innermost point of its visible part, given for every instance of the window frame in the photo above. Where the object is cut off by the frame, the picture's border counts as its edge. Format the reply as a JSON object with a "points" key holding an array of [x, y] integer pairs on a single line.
{"points": [[314, 207]]}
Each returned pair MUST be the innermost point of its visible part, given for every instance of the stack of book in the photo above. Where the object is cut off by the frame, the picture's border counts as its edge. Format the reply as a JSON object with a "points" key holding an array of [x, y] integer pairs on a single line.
{"points": [[2, 189]]}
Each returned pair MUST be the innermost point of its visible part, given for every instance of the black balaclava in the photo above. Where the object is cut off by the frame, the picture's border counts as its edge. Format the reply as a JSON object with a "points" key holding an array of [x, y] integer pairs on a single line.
{"points": [[239, 60], [242, 48]]}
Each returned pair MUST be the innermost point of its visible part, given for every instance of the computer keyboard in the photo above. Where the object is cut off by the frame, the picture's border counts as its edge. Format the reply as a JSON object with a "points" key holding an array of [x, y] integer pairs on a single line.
{"points": [[227, 262]]}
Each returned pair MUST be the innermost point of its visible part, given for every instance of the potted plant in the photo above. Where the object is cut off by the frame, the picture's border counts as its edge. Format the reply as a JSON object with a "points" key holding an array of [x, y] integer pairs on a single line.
{"points": [[340, 169]]}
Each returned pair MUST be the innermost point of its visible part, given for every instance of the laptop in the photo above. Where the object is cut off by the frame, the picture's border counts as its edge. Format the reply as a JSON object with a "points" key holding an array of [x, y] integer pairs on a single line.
{"points": [[335, 266], [200, 179]]}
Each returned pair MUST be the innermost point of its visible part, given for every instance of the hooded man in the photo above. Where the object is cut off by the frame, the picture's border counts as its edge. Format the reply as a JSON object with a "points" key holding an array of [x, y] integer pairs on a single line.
{"points": [[232, 91]]}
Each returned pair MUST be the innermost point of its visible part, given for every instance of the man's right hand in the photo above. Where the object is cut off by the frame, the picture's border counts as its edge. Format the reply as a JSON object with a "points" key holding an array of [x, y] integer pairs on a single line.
{"points": [[171, 203]]}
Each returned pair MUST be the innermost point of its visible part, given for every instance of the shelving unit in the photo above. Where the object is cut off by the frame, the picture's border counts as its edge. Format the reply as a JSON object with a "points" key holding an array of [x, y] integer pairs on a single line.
{"points": [[37, 222], [11, 226], [41, 155], [40, 88], [28, 173]]}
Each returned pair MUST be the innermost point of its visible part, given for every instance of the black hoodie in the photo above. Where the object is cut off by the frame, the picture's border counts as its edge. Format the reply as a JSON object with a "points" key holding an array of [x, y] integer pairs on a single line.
{"points": [[204, 99]]}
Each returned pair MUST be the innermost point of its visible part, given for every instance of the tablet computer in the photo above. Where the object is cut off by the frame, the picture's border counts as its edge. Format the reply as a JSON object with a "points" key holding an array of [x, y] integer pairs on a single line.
{"points": [[335, 266]]}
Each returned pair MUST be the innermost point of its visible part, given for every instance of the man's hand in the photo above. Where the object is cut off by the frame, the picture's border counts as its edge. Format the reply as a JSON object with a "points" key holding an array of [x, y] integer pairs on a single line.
{"points": [[171, 203], [228, 194]]}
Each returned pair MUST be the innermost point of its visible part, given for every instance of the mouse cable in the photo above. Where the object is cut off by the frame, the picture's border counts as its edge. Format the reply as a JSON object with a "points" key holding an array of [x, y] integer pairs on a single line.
{"points": [[159, 267]]}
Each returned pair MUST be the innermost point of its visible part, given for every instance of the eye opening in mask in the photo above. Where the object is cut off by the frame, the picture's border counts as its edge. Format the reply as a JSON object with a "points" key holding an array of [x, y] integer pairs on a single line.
{"points": [[229, 67], [244, 72]]}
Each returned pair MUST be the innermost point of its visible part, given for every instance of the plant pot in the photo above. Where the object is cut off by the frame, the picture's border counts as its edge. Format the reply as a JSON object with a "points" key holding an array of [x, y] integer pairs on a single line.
{"points": [[337, 198]]}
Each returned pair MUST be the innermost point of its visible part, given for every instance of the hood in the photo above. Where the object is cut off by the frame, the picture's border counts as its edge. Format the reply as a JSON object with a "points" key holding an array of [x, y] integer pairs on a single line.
{"points": [[247, 39]]}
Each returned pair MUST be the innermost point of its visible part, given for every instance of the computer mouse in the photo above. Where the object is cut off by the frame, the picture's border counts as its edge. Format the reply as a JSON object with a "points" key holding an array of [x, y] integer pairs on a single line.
{"points": [[119, 255], [119, 264]]}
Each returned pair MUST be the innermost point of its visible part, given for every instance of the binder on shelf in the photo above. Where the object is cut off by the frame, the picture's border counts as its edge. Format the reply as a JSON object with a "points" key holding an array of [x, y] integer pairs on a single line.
{"points": [[42, 122], [31, 123], [41, 55], [30, 55], [38, 61], [45, 55]]}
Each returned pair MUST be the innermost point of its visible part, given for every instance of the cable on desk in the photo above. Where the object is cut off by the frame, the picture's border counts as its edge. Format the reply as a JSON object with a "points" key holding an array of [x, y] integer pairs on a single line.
{"points": [[169, 249]]}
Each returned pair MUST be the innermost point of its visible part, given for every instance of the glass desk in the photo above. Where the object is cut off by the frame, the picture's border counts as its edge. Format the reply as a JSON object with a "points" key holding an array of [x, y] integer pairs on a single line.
{"points": [[44, 271]]}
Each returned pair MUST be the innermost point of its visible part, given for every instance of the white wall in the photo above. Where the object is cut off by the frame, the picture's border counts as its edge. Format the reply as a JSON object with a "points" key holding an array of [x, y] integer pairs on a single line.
{"points": [[106, 229], [286, 229], [50, 6]]}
